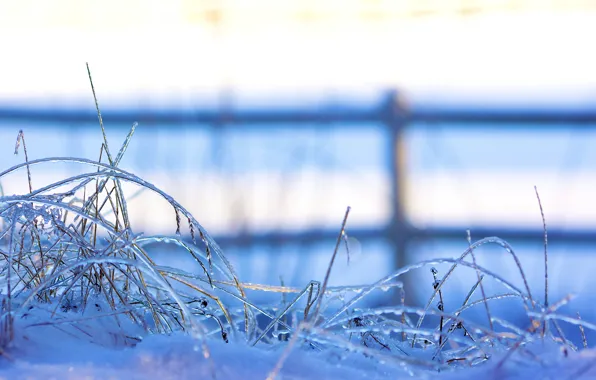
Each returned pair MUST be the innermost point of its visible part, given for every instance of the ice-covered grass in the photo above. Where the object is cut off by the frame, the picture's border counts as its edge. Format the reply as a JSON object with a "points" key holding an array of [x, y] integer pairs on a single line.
{"points": [[82, 296]]}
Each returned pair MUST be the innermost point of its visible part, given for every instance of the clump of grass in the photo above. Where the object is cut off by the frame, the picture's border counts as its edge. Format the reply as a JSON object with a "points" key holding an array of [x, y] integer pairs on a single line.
{"points": [[441, 338], [69, 246]]}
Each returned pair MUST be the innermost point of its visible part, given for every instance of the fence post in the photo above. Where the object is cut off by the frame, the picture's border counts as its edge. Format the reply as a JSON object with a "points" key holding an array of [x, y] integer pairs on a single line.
{"points": [[398, 231]]}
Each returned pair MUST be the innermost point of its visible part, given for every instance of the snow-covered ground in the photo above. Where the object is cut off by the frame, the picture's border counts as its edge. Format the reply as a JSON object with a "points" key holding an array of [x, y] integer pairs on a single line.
{"points": [[46, 353]]}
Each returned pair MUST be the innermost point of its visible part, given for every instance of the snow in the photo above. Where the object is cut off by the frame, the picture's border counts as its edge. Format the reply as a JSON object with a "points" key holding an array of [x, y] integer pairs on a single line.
{"points": [[49, 353], [45, 352]]}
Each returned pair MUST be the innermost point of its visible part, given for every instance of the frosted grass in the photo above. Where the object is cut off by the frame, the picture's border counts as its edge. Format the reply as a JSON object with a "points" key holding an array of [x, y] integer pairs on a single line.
{"points": [[70, 260]]}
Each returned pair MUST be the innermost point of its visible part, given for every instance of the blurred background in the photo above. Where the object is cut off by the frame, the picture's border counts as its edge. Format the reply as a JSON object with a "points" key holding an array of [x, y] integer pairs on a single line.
{"points": [[267, 118]]}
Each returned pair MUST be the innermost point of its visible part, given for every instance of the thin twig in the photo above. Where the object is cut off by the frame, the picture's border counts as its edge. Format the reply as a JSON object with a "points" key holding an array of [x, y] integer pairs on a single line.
{"points": [[582, 332], [315, 315], [479, 277], [545, 257], [441, 305], [103, 131], [21, 137]]}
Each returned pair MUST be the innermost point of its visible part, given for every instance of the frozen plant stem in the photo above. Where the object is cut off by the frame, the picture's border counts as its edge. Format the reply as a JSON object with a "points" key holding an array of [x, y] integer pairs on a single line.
{"points": [[328, 274], [21, 137], [582, 332], [103, 131], [545, 257], [479, 277], [441, 306]]}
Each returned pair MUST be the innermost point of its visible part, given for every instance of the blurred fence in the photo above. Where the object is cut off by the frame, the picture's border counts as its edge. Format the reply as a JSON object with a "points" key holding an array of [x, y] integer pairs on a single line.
{"points": [[392, 112]]}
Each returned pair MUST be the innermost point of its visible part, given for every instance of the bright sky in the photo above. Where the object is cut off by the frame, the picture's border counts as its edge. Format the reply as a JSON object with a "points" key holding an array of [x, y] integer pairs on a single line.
{"points": [[153, 51]]}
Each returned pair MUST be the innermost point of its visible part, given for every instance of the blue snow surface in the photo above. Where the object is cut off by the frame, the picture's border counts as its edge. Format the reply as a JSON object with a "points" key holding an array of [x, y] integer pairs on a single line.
{"points": [[48, 353]]}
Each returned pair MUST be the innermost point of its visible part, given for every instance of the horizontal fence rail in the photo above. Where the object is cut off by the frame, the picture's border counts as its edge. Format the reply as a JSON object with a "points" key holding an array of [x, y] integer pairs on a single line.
{"points": [[316, 235], [505, 118]]}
